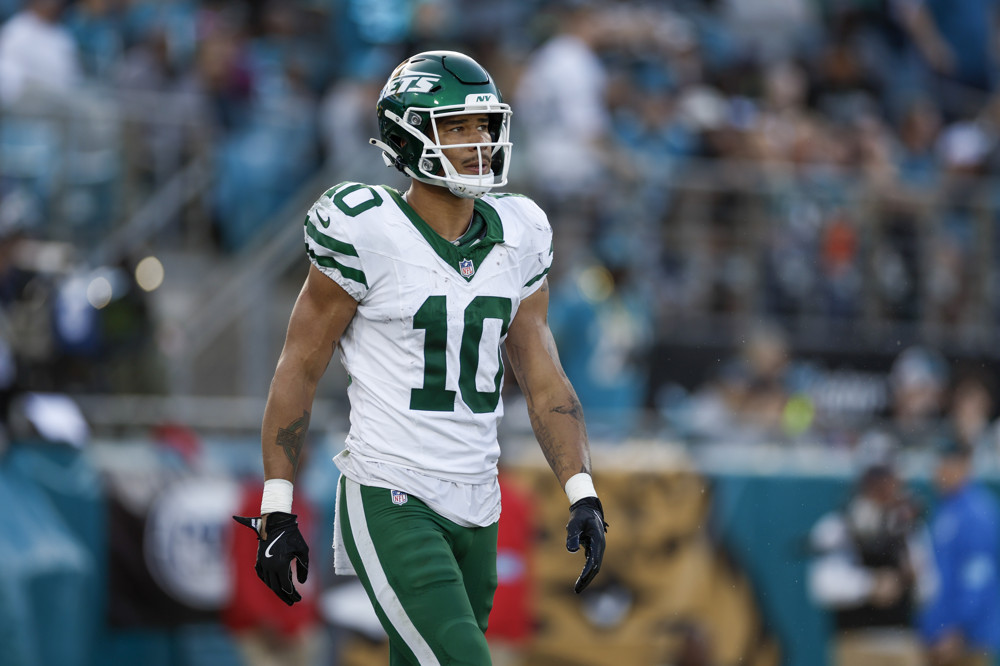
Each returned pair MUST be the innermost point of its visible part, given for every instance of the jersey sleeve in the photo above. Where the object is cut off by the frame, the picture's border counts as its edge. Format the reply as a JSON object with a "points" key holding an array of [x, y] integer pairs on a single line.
{"points": [[537, 259], [330, 246]]}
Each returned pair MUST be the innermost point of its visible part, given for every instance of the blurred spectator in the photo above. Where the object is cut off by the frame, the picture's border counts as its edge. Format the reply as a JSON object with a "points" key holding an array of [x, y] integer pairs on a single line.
{"points": [[783, 115], [761, 395], [957, 39], [497, 29], [346, 123], [182, 22], [651, 126], [954, 277], [285, 43], [272, 147], [770, 29], [366, 31], [918, 133], [95, 26], [149, 80], [564, 125], [766, 371], [961, 622], [66, 131], [971, 413], [223, 68], [875, 148], [870, 569], [601, 325], [39, 61], [918, 381], [843, 82]]}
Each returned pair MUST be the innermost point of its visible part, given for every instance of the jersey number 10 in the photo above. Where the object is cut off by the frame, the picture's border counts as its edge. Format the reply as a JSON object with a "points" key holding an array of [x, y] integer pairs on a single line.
{"points": [[432, 317]]}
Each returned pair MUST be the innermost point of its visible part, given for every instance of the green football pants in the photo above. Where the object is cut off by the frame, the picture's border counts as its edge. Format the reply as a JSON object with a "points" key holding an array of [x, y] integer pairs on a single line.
{"points": [[430, 581]]}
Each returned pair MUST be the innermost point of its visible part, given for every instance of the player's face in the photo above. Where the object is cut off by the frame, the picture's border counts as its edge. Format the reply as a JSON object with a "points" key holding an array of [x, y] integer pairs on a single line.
{"points": [[471, 128]]}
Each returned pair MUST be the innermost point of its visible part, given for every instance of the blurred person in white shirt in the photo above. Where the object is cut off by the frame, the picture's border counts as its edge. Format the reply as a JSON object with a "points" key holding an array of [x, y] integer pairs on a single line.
{"points": [[871, 568], [564, 122], [38, 56]]}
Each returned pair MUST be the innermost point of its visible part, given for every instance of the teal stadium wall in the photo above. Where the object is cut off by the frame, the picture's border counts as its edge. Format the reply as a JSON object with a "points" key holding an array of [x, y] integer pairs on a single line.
{"points": [[54, 554]]}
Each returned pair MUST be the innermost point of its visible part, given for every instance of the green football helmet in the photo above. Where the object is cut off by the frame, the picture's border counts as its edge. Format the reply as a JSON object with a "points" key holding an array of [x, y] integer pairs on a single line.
{"points": [[422, 90]]}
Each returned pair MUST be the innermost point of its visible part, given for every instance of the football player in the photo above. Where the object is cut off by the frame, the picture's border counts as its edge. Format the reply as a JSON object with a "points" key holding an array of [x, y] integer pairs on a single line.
{"points": [[418, 291]]}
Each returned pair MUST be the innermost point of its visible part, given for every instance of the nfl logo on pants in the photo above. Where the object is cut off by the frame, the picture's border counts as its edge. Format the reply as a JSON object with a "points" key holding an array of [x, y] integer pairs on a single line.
{"points": [[398, 496]]}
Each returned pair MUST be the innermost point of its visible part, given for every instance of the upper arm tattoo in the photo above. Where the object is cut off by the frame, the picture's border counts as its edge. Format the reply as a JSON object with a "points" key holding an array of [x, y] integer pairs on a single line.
{"points": [[292, 438]]}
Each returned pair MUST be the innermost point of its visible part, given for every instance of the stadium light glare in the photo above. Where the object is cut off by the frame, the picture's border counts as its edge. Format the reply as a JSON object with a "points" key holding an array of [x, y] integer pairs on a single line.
{"points": [[149, 273], [596, 284], [99, 292]]}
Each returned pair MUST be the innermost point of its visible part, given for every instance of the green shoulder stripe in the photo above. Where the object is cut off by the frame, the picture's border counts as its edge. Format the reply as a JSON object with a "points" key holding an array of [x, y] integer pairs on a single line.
{"points": [[355, 274], [537, 278], [331, 244]]}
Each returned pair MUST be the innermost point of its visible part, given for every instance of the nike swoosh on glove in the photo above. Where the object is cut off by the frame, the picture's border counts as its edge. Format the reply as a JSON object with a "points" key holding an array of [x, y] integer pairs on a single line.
{"points": [[284, 543], [586, 525]]}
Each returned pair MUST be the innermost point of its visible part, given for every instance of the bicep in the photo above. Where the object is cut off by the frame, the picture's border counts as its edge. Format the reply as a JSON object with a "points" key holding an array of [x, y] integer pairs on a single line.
{"points": [[530, 345], [319, 318]]}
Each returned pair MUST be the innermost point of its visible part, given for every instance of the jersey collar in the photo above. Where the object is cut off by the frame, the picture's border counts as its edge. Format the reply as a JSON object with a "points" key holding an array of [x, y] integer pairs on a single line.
{"points": [[465, 262]]}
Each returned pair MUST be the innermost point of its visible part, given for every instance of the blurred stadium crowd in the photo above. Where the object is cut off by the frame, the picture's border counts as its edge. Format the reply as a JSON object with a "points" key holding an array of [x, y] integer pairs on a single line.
{"points": [[759, 206]]}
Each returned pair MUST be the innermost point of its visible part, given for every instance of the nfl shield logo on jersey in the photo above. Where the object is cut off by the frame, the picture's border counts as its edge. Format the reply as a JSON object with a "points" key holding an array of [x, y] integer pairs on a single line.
{"points": [[398, 497], [465, 265]]}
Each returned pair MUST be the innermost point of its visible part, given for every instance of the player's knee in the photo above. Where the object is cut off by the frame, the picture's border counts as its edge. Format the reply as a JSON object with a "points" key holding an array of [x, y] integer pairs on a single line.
{"points": [[464, 644]]}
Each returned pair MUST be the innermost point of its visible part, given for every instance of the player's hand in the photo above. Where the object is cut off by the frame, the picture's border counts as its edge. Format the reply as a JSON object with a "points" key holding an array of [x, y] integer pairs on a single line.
{"points": [[586, 525], [280, 544]]}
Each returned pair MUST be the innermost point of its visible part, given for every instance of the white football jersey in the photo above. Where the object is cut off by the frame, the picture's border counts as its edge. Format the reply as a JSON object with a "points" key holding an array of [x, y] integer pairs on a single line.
{"points": [[423, 349]]}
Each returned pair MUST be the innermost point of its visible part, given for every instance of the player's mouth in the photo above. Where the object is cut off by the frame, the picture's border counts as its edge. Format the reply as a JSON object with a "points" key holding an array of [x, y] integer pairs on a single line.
{"points": [[475, 167]]}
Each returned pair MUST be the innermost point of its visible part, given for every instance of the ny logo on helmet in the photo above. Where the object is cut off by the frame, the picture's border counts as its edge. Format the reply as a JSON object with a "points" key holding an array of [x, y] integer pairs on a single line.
{"points": [[419, 83], [481, 98]]}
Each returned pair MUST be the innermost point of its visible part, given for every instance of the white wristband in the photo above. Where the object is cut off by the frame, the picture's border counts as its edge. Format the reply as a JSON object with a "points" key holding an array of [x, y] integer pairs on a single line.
{"points": [[580, 486], [277, 496]]}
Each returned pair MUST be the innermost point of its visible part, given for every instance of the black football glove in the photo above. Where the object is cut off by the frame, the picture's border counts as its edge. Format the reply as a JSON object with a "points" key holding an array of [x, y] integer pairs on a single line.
{"points": [[586, 525], [284, 543]]}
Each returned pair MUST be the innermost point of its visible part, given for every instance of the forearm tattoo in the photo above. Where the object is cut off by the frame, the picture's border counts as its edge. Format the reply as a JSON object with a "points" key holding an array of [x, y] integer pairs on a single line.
{"points": [[573, 410], [292, 438], [559, 459]]}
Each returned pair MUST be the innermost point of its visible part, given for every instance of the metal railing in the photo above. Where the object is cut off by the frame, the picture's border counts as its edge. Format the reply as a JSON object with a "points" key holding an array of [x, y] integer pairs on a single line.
{"points": [[759, 220], [732, 228]]}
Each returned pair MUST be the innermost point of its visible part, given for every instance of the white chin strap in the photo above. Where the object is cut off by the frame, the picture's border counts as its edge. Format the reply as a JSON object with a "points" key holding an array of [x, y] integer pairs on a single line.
{"points": [[469, 187], [465, 186]]}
